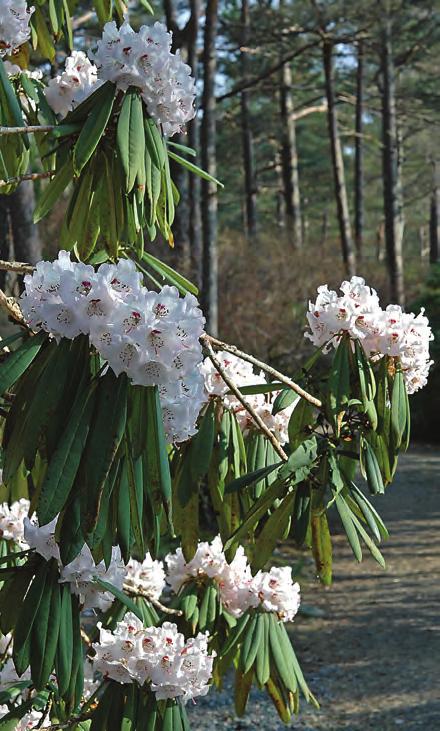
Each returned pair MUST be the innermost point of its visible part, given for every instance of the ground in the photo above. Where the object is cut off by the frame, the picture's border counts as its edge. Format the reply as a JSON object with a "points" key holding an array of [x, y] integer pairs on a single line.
{"points": [[372, 654]]}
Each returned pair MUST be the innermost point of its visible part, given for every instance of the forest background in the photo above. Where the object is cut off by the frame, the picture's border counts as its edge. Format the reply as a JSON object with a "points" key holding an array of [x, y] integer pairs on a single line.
{"points": [[322, 120]]}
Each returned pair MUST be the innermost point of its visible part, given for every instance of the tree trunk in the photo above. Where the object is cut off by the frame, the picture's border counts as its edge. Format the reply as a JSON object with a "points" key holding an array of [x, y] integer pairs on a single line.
{"points": [[392, 187], [19, 237], [359, 155], [289, 160], [348, 253], [209, 163], [194, 188], [434, 218], [247, 137]]}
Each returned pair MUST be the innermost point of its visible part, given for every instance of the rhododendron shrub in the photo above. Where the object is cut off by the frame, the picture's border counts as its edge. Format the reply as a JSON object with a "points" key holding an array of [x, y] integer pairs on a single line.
{"points": [[121, 417]]}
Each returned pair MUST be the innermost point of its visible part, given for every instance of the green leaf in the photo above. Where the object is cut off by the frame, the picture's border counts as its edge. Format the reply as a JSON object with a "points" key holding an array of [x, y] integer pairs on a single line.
{"points": [[45, 41], [169, 274], [182, 148], [370, 468], [155, 144], [398, 407], [273, 530], [15, 364], [12, 101], [347, 521], [300, 423], [105, 436], [103, 10], [130, 137], [202, 444], [63, 467], [322, 547], [246, 480], [123, 598], [260, 507], [339, 379], [158, 478], [53, 191], [285, 398], [194, 169], [93, 129]]}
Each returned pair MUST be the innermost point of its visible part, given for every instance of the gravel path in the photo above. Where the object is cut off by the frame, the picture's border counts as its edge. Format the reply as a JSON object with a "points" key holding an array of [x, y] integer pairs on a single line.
{"points": [[372, 656]]}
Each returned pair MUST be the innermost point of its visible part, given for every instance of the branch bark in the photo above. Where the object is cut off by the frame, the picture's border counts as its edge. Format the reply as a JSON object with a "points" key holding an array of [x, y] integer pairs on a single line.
{"points": [[253, 414]]}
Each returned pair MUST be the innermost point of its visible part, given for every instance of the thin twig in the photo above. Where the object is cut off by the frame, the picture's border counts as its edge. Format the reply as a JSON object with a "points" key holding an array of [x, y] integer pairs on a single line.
{"points": [[35, 128], [220, 345], [68, 724], [255, 417], [16, 266], [13, 309], [28, 176], [155, 602]]}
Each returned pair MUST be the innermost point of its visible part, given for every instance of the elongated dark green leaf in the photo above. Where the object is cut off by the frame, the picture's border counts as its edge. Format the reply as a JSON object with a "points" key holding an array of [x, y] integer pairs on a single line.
{"points": [[194, 169], [26, 617], [15, 364], [285, 398], [246, 480], [339, 379], [155, 144], [273, 531], [123, 598], [300, 422], [322, 547], [179, 281], [398, 408], [93, 129], [130, 137], [105, 435], [12, 101], [202, 444], [347, 521], [158, 478], [276, 490], [64, 464], [53, 190]]}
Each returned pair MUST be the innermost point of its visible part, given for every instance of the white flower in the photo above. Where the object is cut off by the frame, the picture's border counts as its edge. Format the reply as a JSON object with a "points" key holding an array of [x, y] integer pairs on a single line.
{"points": [[80, 79], [209, 560], [14, 25], [6, 645], [8, 675], [13, 70], [158, 655], [144, 60], [277, 592], [148, 576], [241, 374], [81, 574], [11, 521], [32, 720], [389, 332], [153, 337], [272, 591], [42, 538]]}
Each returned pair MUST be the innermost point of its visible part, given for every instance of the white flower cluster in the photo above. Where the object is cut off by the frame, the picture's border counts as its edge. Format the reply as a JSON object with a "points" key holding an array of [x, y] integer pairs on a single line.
{"points": [[151, 336], [14, 25], [382, 332], [273, 591], [81, 572], [144, 60], [12, 69], [11, 521], [241, 373], [158, 655], [31, 720], [147, 577], [78, 80]]}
